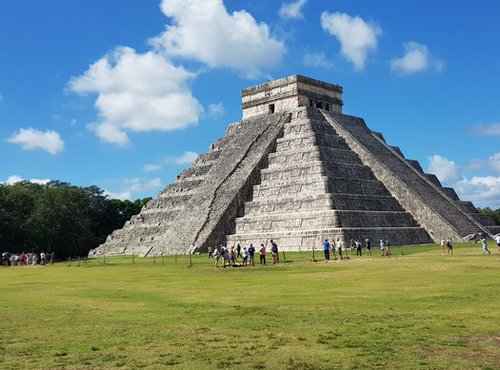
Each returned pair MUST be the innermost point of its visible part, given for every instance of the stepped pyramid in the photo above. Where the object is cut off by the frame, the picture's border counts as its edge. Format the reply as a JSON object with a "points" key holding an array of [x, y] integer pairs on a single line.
{"points": [[297, 170]]}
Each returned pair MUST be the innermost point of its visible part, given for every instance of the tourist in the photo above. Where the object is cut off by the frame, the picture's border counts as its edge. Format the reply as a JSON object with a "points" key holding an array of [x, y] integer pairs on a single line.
{"points": [[340, 246], [209, 252], [251, 254], [382, 248], [443, 242], [225, 256], [262, 254], [368, 246], [273, 244], [22, 259], [333, 250], [43, 259], [358, 248], [497, 238], [232, 257], [485, 245], [326, 249], [387, 248], [216, 257], [238, 250], [245, 256], [449, 244], [274, 252]]}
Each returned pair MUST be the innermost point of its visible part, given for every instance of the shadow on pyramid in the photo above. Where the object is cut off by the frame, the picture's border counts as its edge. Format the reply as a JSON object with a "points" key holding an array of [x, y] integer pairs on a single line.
{"points": [[298, 171]]}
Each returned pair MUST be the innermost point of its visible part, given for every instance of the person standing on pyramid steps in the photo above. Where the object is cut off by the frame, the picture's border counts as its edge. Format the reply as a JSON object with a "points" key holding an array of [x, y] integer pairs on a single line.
{"points": [[368, 246], [485, 246], [326, 249]]}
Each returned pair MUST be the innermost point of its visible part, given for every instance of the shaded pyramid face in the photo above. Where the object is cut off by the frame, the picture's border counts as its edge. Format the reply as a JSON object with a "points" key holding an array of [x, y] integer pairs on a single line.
{"points": [[297, 170]]}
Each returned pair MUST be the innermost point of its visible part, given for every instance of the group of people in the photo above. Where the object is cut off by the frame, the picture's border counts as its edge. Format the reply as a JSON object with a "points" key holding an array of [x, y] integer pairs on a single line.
{"points": [[24, 259], [225, 256], [338, 247]]}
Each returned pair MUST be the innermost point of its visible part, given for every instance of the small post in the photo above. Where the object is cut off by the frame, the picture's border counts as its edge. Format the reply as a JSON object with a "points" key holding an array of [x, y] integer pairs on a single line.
{"points": [[314, 259], [52, 258], [402, 253], [154, 258], [162, 260], [190, 260], [300, 250], [69, 261], [78, 261], [284, 256], [175, 256], [133, 258], [104, 258]]}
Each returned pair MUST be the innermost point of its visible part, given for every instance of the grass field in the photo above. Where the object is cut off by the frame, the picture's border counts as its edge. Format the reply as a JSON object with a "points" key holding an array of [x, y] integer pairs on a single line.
{"points": [[419, 310]]}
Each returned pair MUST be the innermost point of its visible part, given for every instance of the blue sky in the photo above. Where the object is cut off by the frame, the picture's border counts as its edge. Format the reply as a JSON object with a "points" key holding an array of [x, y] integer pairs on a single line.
{"points": [[124, 94]]}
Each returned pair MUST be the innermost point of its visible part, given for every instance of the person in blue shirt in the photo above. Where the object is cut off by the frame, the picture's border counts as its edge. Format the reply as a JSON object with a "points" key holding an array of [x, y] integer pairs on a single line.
{"points": [[251, 254], [485, 246], [326, 249]]}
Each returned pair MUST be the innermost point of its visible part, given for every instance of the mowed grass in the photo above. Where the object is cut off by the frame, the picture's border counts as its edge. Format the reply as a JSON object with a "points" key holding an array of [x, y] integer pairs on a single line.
{"points": [[411, 311]]}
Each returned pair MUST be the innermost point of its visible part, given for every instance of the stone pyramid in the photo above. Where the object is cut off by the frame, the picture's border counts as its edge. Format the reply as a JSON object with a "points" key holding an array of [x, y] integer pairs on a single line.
{"points": [[297, 170]]}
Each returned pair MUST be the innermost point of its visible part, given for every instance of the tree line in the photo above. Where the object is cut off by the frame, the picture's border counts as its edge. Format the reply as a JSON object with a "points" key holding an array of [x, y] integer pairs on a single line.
{"points": [[59, 217], [495, 214]]}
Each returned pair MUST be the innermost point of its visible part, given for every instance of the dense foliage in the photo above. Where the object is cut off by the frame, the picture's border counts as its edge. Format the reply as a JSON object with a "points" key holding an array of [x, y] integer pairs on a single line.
{"points": [[58, 217], [495, 214]]}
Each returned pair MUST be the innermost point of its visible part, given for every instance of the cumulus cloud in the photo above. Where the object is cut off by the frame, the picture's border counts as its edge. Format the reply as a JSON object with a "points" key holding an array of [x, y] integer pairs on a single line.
{"points": [[483, 191], [32, 139], [137, 185], [202, 30], [483, 129], [137, 93], [15, 179], [151, 167], [357, 38], [184, 159], [416, 59], [446, 171], [318, 60], [292, 10], [125, 195]]}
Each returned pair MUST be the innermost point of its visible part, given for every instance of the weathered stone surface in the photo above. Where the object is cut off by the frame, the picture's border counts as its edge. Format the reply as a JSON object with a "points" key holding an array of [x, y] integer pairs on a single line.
{"points": [[297, 170]]}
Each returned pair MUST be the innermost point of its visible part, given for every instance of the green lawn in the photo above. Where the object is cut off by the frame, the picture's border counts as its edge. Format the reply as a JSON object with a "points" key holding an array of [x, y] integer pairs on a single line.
{"points": [[417, 310]]}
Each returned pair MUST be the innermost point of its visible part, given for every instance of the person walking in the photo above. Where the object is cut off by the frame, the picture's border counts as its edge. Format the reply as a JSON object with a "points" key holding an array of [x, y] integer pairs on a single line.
{"points": [[210, 252], [449, 244], [497, 238], [340, 247], [382, 248], [358, 248], [262, 254], [443, 242], [245, 256], [326, 249], [275, 246], [485, 246], [238, 250]]}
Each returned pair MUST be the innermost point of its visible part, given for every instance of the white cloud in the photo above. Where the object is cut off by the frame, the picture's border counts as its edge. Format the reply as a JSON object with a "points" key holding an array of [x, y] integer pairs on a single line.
{"points": [[137, 93], [184, 159], [494, 162], [32, 139], [482, 191], [446, 171], [483, 129], [73, 122], [216, 110], [292, 10], [151, 167], [357, 38], [138, 185], [416, 59], [15, 178], [202, 30], [318, 60], [121, 195]]}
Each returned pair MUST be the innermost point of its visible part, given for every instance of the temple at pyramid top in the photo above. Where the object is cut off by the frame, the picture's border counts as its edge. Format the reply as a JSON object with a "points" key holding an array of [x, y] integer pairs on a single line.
{"points": [[297, 170], [290, 93]]}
